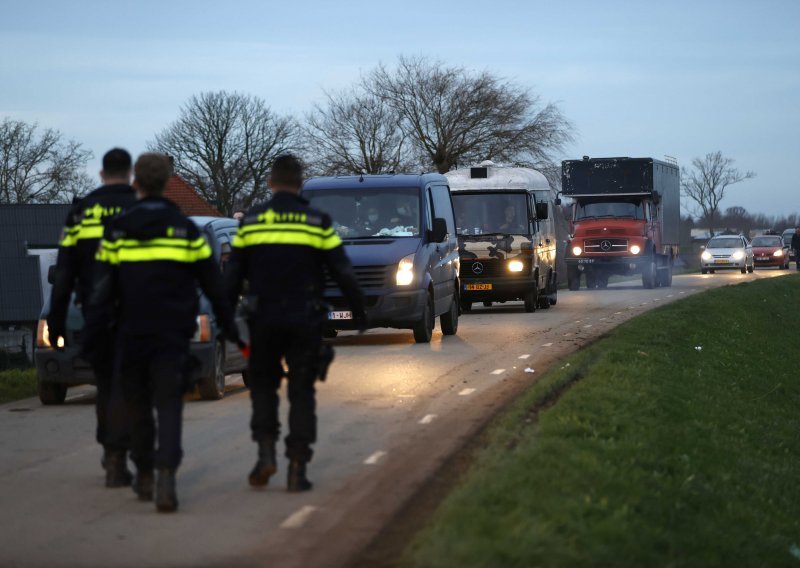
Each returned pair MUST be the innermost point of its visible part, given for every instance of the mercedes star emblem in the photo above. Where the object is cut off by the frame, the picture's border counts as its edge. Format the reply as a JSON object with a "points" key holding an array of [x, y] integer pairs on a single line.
{"points": [[477, 268], [605, 245]]}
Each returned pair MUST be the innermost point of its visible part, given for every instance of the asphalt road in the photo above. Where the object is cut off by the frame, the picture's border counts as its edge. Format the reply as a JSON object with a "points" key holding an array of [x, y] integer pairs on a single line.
{"points": [[390, 413]]}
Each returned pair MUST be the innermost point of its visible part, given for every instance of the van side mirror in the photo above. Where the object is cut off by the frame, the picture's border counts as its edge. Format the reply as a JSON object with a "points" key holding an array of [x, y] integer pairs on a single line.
{"points": [[439, 231], [557, 201], [51, 274], [541, 210]]}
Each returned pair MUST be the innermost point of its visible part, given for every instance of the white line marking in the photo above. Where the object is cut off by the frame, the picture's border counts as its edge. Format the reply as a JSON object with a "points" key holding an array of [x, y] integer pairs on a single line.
{"points": [[298, 518], [588, 325], [524, 356], [547, 345], [428, 418], [498, 372], [466, 392], [374, 458]]}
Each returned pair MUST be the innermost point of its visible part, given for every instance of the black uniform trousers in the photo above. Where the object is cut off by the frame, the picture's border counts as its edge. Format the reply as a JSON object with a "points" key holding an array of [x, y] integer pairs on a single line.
{"points": [[151, 374], [299, 343], [113, 430]]}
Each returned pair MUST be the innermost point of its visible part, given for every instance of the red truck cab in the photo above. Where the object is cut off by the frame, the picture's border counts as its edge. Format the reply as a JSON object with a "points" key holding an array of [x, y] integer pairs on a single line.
{"points": [[625, 218]]}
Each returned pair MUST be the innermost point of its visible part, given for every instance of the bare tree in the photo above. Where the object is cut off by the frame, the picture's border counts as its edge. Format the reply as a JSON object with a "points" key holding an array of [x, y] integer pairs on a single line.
{"points": [[456, 117], [356, 132], [40, 167], [707, 182], [224, 144]]}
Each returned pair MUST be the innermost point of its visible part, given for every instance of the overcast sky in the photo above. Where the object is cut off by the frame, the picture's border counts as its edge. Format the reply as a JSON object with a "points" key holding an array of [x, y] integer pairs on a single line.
{"points": [[671, 78]]}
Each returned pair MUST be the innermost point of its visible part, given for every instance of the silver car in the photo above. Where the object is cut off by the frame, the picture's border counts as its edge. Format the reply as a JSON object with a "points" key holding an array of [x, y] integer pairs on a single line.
{"points": [[727, 252]]}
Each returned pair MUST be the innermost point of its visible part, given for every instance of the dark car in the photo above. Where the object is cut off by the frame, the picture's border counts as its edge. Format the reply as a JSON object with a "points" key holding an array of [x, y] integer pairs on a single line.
{"points": [[400, 234], [58, 370]]}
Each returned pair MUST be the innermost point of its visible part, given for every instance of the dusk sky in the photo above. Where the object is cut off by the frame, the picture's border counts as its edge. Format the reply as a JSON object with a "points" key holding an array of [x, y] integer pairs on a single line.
{"points": [[635, 78]]}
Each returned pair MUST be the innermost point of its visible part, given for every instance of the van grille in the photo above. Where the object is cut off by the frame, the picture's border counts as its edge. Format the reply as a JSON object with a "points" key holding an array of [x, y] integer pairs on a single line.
{"points": [[489, 268], [367, 276]]}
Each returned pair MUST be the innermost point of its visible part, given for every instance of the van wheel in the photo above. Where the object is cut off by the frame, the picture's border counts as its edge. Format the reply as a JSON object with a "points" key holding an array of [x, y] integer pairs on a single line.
{"points": [[423, 330], [449, 320], [552, 294], [531, 298], [213, 387], [52, 393], [466, 306]]}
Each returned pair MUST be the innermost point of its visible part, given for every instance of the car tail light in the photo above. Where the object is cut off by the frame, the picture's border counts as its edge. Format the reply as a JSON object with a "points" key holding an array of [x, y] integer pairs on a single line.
{"points": [[203, 332]]}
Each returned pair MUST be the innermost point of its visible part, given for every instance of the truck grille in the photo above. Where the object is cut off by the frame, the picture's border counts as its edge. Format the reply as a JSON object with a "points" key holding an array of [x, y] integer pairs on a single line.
{"points": [[605, 245], [367, 276], [489, 268]]}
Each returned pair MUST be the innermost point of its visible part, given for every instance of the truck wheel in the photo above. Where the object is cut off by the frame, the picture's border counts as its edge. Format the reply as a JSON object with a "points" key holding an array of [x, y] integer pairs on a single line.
{"points": [[552, 294], [52, 393], [531, 298], [543, 299], [649, 274], [449, 320], [591, 280], [665, 276], [423, 330], [213, 386], [601, 281], [573, 280]]}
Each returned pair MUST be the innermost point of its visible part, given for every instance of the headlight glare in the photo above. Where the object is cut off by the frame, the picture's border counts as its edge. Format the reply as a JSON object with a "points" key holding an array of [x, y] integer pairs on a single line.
{"points": [[577, 251], [778, 252], [405, 271], [636, 249], [738, 255], [706, 255], [515, 266]]}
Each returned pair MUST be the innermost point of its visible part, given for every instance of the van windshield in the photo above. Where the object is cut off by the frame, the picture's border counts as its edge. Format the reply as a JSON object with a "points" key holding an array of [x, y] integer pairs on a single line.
{"points": [[370, 213], [624, 208], [486, 213]]}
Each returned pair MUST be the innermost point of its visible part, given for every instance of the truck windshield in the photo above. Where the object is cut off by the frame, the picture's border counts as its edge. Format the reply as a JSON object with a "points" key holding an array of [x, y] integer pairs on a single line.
{"points": [[482, 213], [628, 209], [370, 213]]}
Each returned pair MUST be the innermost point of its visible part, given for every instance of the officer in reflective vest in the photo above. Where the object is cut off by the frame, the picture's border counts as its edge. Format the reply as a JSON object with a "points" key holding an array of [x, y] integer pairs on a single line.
{"points": [[76, 258], [152, 258], [280, 250]]}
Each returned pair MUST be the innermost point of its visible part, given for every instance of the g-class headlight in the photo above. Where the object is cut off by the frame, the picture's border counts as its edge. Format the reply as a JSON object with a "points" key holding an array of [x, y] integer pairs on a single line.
{"points": [[515, 266]]}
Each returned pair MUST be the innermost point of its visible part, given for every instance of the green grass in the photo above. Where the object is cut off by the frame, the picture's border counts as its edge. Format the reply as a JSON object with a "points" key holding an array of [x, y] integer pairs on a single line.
{"points": [[656, 454], [16, 384]]}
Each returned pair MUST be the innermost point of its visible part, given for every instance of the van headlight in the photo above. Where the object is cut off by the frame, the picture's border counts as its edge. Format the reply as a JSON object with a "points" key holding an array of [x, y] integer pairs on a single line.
{"points": [[577, 251], [636, 249], [706, 255], [203, 332], [515, 266], [405, 271], [738, 255], [43, 335]]}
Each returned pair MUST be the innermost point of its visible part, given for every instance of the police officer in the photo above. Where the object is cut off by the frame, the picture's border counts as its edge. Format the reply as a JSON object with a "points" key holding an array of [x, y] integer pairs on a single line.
{"points": [[84, 227], [151, 260], [281, 249]]}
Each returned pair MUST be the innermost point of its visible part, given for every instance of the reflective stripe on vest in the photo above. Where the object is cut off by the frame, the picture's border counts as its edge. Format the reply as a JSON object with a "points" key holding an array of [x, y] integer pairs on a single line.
{"points": [[286, 234], [162, 248]]}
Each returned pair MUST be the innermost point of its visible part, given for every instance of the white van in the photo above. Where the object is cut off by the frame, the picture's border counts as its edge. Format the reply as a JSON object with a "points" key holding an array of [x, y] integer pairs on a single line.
{"points": [[505, 220]]}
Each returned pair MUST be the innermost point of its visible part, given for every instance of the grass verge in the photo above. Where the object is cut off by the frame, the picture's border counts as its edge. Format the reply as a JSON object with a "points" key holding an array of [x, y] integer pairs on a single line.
{"points": [[16, 384], [674, 441]]}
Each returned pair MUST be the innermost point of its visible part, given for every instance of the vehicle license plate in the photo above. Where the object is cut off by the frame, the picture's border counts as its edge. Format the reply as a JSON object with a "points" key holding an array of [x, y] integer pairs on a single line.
{"points": [[585, 260], [721, 262], [343, 315], [477, 286], [762, 258]]}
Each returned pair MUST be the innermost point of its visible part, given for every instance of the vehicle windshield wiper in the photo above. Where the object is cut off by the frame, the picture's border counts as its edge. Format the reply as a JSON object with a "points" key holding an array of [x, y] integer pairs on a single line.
{"points": [[486, 235]]}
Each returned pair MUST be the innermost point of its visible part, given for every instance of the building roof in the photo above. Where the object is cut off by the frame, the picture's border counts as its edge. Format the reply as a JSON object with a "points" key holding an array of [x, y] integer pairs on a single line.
{"points": [[24, 227], [189, 201]]}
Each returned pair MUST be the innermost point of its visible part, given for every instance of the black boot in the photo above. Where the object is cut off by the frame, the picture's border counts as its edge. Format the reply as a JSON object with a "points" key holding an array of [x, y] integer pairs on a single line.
{"points": [[265, 466], [117, 472], [297, 480], [143, 484], [166, 498]]}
